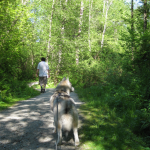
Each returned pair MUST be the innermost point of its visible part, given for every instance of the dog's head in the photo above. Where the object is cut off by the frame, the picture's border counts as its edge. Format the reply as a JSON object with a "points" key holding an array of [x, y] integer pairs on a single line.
{"points": [[65, 85]]}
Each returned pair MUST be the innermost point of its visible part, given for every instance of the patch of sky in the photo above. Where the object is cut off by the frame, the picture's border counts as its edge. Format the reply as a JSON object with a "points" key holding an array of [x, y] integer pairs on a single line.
{"points": [[137, 3]]}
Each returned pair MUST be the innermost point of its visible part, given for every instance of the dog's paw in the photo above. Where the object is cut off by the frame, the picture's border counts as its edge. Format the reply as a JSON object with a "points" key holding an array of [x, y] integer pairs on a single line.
{"points": [[77, 143], [58, 143]]}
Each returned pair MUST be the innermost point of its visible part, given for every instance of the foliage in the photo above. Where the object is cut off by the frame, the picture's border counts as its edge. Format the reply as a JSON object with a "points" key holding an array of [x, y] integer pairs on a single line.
{"points": [[114, 116], [95, 43], [12, 92]]}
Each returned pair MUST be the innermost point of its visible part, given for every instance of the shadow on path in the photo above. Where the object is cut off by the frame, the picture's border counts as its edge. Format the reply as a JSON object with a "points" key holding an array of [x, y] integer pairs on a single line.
{"points": [[29, 125]]}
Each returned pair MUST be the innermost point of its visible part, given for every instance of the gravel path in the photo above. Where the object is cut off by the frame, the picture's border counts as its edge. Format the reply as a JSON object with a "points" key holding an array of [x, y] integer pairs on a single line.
{"points": [[28, 125]]}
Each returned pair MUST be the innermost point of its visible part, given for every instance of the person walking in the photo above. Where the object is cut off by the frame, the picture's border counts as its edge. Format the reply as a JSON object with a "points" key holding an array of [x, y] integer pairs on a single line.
{"points": [[44, 73]]}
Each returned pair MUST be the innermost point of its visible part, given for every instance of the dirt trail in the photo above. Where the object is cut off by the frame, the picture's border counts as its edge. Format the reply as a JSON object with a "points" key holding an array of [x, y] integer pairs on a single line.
{"points": [[29, 125]]}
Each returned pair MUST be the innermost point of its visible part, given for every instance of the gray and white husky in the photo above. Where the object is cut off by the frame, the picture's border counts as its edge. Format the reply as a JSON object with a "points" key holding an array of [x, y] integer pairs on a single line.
{"points": [[65, 112]]}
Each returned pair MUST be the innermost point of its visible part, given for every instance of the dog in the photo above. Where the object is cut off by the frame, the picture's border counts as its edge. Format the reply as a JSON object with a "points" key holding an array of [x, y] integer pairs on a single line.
{"points": [[64, 87], [64, 110]]}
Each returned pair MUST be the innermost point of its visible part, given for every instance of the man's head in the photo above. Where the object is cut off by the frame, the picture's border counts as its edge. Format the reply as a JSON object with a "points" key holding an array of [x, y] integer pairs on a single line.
{"points": [[42, 59]]}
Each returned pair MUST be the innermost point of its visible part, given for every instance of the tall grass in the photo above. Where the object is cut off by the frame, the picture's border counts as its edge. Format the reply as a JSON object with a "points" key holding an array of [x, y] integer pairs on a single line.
{"points": [[14, 91], [116, 117]]}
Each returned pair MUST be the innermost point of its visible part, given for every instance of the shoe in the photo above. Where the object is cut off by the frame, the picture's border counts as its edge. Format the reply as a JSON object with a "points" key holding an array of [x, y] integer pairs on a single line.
{"points": [[41, 89]]}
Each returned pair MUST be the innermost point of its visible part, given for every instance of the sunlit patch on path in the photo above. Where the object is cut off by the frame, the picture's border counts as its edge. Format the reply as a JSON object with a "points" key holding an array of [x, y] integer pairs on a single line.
{"points": [[29, 125]]}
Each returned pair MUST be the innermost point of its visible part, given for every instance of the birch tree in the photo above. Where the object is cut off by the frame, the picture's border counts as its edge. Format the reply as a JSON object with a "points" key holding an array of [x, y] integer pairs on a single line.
{"points": [[132, 30], [90, 16], [79, 32], [50, 30], [105, 15], [145, 14], [105, 11]]}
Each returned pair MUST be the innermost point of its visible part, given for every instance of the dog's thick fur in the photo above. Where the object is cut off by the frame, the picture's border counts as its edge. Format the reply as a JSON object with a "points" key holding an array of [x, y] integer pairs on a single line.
{"points": [[67, 113], [65, 86]]}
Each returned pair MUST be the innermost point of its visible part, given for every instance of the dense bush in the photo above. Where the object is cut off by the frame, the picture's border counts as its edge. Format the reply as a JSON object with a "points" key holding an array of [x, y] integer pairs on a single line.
{"points": [[14, 91]]}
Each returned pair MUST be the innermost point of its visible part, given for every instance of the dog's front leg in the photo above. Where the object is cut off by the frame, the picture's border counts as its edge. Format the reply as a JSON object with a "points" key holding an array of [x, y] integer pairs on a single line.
{"points": [[54, 130], [59, 132], [75, 131], [52, 98]]}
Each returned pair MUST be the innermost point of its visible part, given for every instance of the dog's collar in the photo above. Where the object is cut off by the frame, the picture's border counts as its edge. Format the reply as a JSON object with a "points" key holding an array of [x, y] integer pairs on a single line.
{"points": [[65, 96], [59, 95]]}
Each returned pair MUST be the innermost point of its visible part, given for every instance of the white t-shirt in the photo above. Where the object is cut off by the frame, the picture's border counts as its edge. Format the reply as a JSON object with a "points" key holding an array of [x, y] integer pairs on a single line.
{"points": [[43, 67]]}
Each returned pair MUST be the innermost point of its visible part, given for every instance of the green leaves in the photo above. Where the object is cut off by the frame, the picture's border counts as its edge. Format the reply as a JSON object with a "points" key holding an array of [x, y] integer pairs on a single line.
{"points": [[15, 33]]}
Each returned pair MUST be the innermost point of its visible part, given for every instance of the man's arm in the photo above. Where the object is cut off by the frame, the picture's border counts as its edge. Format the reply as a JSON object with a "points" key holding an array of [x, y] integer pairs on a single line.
{"points": [[37, 72], [48, 73]]}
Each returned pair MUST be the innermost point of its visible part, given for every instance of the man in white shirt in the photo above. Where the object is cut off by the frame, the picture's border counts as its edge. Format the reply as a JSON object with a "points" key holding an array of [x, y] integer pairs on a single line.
{"points": [[44, 73]]}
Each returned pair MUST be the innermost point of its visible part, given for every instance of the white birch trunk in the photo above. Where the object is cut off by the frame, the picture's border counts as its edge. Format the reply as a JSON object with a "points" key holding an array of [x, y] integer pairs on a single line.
{"points": [[132, 28], [89, 36], [24, 2], [80, 23], [105, 11], [60, 51], [50, 28], [62, 34], [104, 7], [105, 24]]}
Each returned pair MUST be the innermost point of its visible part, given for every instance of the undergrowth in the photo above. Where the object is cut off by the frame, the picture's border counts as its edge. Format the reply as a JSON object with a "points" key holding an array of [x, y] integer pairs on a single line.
{"points": [[117, 115], [14, 91]]}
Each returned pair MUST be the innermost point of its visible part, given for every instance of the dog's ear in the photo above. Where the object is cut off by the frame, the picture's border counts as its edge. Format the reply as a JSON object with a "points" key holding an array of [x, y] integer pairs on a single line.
{"points": [[64, 79], [68, 78], [72, 89]]}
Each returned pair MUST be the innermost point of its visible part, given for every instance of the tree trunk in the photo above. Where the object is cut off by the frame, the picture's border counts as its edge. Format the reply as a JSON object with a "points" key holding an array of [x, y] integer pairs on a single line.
{"points": [[62, 35], [89, 36], [145, 15], [132, 30], [104, 7], [106, 15], [80, 23], [105, 10], [24, 2], [50, 28], [145, 49]]}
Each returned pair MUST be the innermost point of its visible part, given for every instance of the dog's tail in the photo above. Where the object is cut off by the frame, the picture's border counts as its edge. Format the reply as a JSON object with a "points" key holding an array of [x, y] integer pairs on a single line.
{"points": [[68, 115]]}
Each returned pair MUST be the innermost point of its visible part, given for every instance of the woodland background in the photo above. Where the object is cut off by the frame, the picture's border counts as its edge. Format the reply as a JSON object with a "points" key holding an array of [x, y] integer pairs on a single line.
{"points": [[103, 46]]}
